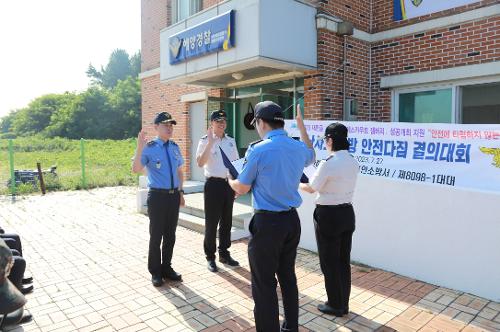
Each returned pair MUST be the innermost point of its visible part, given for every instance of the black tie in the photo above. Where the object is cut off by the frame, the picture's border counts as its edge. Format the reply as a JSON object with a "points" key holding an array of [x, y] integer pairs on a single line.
{"points": [[169, 166]]}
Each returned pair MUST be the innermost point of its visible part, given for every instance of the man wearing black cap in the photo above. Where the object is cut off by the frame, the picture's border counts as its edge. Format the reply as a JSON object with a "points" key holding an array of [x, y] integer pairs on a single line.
{"points": [[273, 170], [163, 160], [334, 220], [218, 195]]}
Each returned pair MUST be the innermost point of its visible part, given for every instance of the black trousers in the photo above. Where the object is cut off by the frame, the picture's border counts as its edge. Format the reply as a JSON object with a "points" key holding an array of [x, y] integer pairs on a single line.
{"points": [[334, 227], [271, 252], [13, 241], [219, 200], [17, 271], [163, 211]]}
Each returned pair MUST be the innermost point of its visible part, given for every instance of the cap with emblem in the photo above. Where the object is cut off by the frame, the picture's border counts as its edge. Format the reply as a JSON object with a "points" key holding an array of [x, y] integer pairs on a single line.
{"points": [[218, 115], [268, 110], [164, 117], [12, 299]]}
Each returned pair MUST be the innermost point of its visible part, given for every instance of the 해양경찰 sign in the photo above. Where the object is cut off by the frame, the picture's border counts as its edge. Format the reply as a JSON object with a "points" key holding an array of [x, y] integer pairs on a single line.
{"points": [[210, 36]]}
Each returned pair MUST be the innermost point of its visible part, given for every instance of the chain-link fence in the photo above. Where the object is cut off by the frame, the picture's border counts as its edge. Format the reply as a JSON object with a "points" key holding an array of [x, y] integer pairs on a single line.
{"points": [[65, 164]]}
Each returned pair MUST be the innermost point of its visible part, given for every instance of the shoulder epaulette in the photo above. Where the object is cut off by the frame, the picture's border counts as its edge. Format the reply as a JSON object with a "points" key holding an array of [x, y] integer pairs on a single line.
{"points": [[150, 143], [173, 143], [204, 137], [256, 142]]}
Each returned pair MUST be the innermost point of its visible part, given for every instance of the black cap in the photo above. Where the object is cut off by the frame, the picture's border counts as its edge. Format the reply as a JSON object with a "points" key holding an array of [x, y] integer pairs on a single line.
{"points": [[218, 115], [164, 117], [268, 110], [336, 130]]}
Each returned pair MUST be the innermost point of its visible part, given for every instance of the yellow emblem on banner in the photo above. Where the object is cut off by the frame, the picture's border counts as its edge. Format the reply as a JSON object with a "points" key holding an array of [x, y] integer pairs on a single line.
{"points": [[225, 46], [493, 151]]}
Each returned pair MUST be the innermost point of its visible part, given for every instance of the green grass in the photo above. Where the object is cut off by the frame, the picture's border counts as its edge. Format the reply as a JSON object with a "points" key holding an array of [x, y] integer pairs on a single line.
{"points": [[107, 162]]}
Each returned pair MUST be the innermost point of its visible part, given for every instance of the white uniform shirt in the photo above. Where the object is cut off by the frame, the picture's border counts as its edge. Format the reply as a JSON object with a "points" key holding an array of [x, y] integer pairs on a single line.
{"points": [[215, 165], [335, 179]]}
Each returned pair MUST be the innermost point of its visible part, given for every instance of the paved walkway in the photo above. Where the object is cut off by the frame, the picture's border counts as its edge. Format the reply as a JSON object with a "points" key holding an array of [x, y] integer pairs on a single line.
{"points": [[87, 253]]}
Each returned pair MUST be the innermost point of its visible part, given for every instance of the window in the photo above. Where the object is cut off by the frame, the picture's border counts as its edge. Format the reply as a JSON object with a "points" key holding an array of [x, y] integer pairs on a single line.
{"points": [[431, 106], [480, 103], [472, 102], [182, 9]]}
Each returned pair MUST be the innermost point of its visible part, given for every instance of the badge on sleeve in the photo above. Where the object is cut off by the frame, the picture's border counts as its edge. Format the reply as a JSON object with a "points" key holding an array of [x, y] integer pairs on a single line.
{"points": [[158, 164]]}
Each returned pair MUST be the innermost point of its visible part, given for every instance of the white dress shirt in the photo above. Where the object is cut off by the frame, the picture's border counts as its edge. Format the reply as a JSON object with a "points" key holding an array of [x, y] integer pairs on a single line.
{"points": [[335, 179], [214, 167]]}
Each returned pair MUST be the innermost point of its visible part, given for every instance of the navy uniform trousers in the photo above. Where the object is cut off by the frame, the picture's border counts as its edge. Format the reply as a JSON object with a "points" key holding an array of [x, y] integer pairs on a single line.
{"points": [[271, 252], [334, 226], [219, 200], [163, 211]]}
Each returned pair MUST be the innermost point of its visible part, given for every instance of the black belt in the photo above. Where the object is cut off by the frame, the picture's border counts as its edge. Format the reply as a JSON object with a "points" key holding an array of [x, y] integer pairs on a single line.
{"points": [[215, 178], [256, 211], [164, 191], [335, 206]]}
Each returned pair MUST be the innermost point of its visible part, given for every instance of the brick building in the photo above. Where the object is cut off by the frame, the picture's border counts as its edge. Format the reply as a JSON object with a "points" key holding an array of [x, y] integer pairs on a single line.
{"points": [[368, 60]]}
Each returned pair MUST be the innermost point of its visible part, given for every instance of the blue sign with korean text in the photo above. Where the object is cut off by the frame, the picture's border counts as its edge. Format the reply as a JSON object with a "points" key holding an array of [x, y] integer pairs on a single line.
{"points": [[210, 36]]}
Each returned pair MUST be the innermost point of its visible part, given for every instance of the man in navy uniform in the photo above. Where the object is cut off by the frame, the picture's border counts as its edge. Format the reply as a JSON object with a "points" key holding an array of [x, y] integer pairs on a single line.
{"points": [[163, 160], [218, 195], [273, 170]]}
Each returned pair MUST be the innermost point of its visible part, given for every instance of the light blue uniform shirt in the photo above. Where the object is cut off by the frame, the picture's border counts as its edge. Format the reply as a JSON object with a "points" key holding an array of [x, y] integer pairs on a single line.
{"points": [[273, 168], [162, 159]]}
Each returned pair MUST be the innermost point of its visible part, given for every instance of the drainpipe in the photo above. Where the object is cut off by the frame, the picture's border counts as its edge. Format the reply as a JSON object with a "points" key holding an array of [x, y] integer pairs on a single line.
{"points": [[344, 29], [370, 65], [344, 89]]}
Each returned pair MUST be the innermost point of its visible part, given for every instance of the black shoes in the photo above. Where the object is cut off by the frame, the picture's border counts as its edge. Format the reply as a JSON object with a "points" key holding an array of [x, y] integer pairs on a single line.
{"points": [[327, 309], [157, 281], [212, 267], [28, 280], [228, 260], [26, 289], [172, 275]]}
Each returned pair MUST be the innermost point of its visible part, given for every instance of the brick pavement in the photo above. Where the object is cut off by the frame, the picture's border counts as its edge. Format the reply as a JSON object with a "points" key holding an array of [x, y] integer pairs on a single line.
{"points": [[87, 252]]}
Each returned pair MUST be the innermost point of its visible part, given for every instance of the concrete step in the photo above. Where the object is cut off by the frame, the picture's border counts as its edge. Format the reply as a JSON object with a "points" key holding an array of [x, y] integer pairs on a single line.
{"points": [[197, 224], [238, 220]]}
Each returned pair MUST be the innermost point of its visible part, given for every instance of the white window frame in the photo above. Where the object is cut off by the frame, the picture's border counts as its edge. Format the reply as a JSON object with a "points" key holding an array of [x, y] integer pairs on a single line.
{"points": [[397, 92], [194, 7], [456, 95]]}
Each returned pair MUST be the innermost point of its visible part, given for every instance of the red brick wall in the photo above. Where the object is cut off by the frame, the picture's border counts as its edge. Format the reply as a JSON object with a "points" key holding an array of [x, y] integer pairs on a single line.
{"points": [[323, 88], [153, 18], [383, 11], [465, 44], [354, 11]]}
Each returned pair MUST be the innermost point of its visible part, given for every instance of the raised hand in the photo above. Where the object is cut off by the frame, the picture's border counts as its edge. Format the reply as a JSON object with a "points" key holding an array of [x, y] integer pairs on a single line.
{"points": [[141, 140], [210, 135], [300, 120]]}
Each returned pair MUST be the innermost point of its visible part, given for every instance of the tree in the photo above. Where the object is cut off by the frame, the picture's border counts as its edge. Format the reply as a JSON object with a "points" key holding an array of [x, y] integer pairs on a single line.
{"points": [[119, 67], [125, 101], [34, 118]]}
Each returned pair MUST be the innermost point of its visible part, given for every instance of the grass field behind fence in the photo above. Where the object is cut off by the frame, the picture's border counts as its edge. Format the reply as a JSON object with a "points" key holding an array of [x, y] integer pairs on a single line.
{"points": [[107, 162]]}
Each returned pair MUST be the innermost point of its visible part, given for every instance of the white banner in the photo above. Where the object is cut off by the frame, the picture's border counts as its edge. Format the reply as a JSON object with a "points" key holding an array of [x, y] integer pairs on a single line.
{"points": [[405, 9], [466, 156]]}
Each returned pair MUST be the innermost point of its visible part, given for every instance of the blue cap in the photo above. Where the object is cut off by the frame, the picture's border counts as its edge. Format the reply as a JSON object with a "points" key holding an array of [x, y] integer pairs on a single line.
{"points": [[268, 110], [218, 115], [164, 117]]}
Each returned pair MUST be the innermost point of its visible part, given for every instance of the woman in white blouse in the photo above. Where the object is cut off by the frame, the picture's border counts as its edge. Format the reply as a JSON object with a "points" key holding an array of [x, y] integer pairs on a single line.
{"points": [[334, 219]]}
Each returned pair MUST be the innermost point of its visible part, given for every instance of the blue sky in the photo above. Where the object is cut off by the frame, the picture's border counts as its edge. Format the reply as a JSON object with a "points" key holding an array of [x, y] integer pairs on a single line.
{"points": [[47, 45]]}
